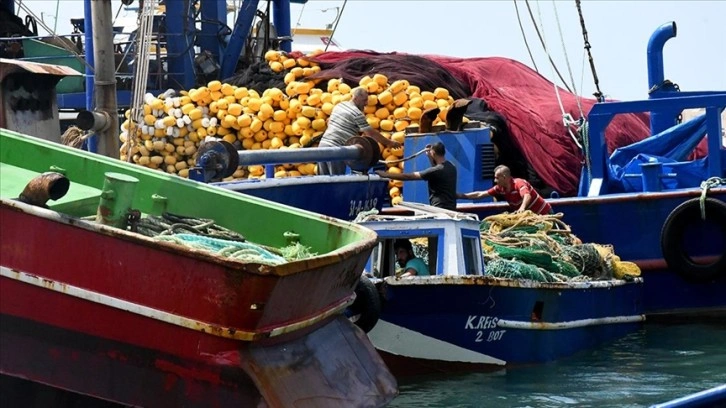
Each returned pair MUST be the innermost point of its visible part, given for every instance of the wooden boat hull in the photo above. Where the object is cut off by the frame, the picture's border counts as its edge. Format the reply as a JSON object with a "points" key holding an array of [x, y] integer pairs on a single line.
{"points": [[479, 322]]}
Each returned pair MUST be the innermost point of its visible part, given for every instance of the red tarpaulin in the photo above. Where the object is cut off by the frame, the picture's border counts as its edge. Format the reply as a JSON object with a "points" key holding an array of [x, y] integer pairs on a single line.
{"points": [[529, 103]]}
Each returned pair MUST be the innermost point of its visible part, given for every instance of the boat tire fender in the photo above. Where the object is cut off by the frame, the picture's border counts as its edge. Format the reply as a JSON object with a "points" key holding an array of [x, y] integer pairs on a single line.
{"points": [[672, 237], [367, 304]]}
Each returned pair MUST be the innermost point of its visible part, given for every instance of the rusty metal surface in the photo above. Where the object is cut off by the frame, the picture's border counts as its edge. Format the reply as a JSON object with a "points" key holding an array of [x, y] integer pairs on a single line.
{"points": [[335, 366], [193, 324], [8, 66], [482, 280]]}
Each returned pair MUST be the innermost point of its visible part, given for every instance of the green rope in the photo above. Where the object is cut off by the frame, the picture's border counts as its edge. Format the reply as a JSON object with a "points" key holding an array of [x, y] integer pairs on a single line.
{"points": [[705, 186], [229, 249]]}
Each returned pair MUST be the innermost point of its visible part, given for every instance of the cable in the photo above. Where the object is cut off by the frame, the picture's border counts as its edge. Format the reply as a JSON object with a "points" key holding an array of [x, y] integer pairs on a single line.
{"points": [[330, 40], [542, 41], [567, 59], [524, 36]]}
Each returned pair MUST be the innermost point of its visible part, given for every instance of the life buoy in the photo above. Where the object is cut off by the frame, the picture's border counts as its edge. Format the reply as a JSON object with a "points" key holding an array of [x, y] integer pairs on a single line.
{"points": [[366, 309], [672, 237]]}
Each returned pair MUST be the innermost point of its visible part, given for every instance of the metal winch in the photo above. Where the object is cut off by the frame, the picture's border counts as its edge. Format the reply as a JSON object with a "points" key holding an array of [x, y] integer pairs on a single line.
{"points": [[217, 159]]}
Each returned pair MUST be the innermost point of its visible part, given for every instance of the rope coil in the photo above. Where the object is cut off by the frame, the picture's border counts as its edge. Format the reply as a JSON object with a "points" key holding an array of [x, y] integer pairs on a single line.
{"points": [[705, 186]]}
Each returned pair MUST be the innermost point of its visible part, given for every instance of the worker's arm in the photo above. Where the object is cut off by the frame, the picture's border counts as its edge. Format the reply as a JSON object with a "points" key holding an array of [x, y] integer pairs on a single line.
{"points": [[399, 176], [409, 272], [526, 200], [473, 195], [378, 137]]}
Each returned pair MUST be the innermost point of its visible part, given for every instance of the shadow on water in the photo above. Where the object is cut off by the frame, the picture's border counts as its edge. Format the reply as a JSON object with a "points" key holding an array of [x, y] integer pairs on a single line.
{"points": [[656, 364]]}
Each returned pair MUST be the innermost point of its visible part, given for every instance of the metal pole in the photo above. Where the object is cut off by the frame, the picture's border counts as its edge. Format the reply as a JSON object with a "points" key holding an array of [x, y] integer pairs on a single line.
{"points": [[88, 51], [281, 18], [241, 31], [104, 80]]}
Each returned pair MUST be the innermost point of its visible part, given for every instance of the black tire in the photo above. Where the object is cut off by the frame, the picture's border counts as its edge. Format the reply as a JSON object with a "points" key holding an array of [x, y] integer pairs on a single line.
{"points": [[367, 305], [671, 239]]}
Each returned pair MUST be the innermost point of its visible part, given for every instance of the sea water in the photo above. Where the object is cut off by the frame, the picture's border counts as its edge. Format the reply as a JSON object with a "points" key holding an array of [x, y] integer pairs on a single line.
{"points": [[655, 364]]}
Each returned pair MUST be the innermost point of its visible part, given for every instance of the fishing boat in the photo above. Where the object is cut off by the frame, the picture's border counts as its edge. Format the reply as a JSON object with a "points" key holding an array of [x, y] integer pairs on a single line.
{"points": [[174, 65], [646, 199], [133, 286], [465, 316], [595, 208]]}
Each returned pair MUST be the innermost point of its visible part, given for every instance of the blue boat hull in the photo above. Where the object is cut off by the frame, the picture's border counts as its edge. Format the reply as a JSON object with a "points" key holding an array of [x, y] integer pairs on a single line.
{"points": [[472, 319], [340, 197], [632, 223]]}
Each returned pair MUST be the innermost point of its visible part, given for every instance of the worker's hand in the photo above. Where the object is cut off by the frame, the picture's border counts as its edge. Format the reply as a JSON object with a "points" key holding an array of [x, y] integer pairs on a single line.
{"points": [[394, 144]]}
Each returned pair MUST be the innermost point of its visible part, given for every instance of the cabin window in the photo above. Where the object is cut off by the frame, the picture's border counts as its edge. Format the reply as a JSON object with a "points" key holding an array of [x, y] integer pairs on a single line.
{"points": [[383, 258], [472, 254]]}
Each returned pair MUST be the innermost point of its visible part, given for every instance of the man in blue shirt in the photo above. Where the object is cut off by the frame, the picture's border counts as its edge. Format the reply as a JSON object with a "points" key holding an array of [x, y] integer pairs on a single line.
{"points": [[412, 266]]}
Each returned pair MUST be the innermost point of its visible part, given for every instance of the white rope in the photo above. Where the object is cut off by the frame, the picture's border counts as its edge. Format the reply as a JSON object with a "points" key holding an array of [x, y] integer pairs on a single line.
{"points": [[567, 60], [567, 119], [143, 42]]}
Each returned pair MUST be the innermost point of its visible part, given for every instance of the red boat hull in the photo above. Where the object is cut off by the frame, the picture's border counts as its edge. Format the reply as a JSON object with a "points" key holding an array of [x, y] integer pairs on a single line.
{"points": [[122, 318]]}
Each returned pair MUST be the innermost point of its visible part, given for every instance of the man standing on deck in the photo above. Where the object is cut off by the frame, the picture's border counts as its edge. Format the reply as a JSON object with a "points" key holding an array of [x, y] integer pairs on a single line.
{"points": [[517, 192], [441, 178], [346, 121]]}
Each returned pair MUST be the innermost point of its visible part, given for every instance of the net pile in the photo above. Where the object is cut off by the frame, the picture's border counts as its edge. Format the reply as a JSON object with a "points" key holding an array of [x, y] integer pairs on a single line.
{"points": [[542, 248], [206, 235]]}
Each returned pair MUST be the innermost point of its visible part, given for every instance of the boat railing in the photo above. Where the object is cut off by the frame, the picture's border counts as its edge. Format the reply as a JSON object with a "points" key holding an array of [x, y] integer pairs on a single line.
{"points": [[602, 114], [419, 212]]}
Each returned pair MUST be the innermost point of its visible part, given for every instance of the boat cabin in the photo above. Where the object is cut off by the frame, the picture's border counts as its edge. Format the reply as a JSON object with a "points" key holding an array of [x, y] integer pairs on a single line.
{"points": [[447, 241]]}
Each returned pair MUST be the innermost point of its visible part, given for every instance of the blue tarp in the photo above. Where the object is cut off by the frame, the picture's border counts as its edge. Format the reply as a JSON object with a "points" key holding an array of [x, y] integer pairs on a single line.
{"points": [[670, 148]]}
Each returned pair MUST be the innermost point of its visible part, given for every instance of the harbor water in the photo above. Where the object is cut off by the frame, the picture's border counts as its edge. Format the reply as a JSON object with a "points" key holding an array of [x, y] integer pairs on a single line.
{"points": [[656, 364]]}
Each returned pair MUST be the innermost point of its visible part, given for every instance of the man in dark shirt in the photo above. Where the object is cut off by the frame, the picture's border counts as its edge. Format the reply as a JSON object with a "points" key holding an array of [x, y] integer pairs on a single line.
{"points": [[441, 178]]}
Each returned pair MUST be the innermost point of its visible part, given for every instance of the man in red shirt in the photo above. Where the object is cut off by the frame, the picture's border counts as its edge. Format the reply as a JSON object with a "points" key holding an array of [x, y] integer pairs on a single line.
{"points": [[517, 192]]}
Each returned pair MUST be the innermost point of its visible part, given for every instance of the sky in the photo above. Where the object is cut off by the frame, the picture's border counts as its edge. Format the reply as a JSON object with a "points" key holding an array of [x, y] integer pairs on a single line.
{"points": [[618, 32]]}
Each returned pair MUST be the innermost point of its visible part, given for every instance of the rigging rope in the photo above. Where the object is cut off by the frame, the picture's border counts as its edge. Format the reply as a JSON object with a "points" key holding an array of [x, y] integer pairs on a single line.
{"points": [[524, 36], [337, 20], [598, 93], [143, 42], [567, 120], [52, 33], [567, 59], [542, 41]]}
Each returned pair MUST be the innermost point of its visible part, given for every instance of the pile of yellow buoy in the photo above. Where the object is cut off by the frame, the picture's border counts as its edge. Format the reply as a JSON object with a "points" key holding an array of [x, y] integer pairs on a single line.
{"points": [[168, 132]]}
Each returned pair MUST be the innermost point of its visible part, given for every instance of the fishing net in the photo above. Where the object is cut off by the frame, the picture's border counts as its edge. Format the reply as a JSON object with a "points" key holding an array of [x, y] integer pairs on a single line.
{"points": [[543, 248], [258, 76], [206, 235], [422, 72]]}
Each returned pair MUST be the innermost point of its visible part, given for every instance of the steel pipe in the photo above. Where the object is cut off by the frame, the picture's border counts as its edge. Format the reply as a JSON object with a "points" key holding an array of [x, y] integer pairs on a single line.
{"points": [[655, 52], [248, 157], [104, 80]]}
